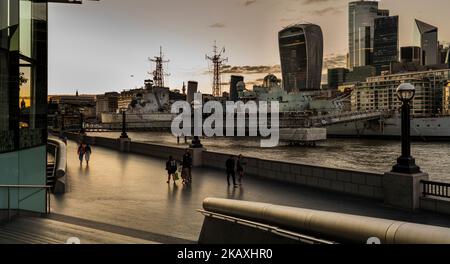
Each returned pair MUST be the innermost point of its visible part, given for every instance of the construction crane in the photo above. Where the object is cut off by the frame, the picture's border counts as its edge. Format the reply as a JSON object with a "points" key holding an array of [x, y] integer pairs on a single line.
{"points": [[217, 63], [159, 73]]}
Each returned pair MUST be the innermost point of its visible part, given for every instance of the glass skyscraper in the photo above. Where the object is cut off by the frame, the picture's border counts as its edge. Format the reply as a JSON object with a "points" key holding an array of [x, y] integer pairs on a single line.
{"points": [[386, 43], [301, 53], [362, 16], [426, 36]]}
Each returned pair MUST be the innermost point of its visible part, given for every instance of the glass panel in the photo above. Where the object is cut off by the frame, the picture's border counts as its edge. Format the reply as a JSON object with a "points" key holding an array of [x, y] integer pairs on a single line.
{"points": [[8, 75], [25, 28]]}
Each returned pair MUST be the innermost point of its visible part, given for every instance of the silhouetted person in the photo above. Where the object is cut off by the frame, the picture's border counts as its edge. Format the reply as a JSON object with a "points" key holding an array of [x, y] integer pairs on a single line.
{"points": [[81, 151], [87, 153], [171, 168], [187, 167], [230, 165], [240, 168]]}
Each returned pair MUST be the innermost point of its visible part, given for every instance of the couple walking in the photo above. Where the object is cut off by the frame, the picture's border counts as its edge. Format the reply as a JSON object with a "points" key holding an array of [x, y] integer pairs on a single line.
{"points": [[233, 166], [186, 170], [84, 152]]}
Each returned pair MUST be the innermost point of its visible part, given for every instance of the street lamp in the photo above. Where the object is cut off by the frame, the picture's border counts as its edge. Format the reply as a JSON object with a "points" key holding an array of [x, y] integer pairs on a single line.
{"points": [[406, 163], [82, 131], [124, 123]]}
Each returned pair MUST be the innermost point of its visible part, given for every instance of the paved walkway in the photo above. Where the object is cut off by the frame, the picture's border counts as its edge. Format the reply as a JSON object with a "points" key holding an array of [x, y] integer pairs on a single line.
{"points": [[130, 191]]}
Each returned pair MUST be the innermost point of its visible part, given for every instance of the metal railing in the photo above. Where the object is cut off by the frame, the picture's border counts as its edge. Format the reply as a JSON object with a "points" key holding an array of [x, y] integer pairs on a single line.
{"points": [[438, 189], [39, 188], [268, 228]]}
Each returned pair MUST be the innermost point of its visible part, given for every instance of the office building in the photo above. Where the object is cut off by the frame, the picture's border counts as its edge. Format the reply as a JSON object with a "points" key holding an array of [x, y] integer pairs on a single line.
{"points": [[411, 54], [336, 77], [380, 92], [301, 52], [386, 43], [360, 74], [426, 36], [362, 15]]}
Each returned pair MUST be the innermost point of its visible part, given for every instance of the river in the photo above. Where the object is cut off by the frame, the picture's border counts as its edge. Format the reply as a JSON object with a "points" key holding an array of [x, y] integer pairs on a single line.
{"points": [[354, 154]]}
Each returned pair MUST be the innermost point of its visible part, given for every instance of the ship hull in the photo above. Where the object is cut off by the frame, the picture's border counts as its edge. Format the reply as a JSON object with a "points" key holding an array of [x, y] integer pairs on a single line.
{"points": [[421, 128]]}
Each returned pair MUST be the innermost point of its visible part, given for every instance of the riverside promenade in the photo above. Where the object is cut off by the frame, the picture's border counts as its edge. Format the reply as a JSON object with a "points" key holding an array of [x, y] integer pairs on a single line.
{"points": [[128, 193]]}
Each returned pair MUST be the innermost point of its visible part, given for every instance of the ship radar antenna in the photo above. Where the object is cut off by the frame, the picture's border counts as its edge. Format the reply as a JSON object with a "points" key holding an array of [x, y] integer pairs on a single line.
{"points": [[217, 63], [159, 73]]}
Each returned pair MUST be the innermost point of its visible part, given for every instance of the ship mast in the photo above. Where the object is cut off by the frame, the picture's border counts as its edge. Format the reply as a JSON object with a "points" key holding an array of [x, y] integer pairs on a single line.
{"points": [[159, 73], [217, 62]]}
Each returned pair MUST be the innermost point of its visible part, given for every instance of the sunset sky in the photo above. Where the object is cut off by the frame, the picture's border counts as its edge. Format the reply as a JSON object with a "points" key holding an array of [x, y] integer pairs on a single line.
{"points": [[97, 47]]}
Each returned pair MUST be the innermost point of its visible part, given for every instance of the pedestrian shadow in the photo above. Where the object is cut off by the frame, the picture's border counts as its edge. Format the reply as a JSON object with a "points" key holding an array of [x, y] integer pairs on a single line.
{"points": [[235, 193], [172, 191]]}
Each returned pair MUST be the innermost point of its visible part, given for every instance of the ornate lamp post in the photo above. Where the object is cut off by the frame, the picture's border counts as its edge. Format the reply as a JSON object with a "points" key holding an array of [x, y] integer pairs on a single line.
{"points": [[406, 163], [124, 123]]}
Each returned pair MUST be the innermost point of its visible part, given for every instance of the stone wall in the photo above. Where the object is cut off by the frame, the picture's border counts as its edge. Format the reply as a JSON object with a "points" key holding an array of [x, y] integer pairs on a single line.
{"points": [[435, 205], [365, 184]]}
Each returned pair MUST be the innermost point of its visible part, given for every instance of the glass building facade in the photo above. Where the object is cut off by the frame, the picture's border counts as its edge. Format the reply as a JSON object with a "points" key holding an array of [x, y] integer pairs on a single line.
{"points": [[23, 102], [301, 53], [426, 36], [386, 43], [362, 16]]}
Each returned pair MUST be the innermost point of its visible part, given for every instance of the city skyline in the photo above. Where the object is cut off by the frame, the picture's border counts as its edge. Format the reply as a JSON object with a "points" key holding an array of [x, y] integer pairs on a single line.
{"points": [[123, 45]]}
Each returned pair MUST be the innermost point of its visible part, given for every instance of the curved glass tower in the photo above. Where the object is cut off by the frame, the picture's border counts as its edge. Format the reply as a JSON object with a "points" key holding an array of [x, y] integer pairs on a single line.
{"points": [[301, 52]]}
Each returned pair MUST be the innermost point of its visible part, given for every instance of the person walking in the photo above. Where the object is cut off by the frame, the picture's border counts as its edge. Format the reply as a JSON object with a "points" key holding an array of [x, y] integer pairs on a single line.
{"points": [[187, 167], [240, 168], [171, 167], [81, 151], [230, 166], [87, 153]]}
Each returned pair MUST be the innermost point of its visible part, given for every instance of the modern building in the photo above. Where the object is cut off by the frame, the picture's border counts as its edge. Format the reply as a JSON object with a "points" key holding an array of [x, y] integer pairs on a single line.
{"points": [[426, 36], [379, 93], [336, 77], [362, 15], [301, 52], [386, 43], [235, 79], [411, 54], [360, 74], [192, 89], [23, 103]]}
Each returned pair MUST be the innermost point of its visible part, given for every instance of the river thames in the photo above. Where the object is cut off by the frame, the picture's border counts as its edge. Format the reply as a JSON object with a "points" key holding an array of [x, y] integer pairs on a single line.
{"points": [[354, 154]]}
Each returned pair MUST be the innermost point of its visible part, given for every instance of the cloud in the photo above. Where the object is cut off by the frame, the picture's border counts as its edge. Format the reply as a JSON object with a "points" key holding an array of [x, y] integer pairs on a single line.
{"points": [[249, 2], [335, 61], [217, 25], [312, 2], [260, 69], [327, 10]]}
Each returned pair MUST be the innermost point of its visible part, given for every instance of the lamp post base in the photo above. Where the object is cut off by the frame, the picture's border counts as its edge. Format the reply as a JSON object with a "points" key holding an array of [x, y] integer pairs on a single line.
{"points": [[406, 165], [196, 143], [124, 135]]}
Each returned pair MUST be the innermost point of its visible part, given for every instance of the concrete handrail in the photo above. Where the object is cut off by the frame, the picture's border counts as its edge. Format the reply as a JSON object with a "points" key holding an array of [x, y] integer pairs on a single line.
{"points": [[328, 225], [61, 157]]}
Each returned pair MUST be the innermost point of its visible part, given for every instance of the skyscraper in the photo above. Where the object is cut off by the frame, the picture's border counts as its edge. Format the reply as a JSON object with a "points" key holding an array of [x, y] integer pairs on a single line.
{"points": [[426, 36], [362, 16], [386, 42], [301, 52]]}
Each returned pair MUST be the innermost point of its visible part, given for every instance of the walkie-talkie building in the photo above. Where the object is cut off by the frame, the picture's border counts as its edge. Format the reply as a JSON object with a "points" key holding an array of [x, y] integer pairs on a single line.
{"points": [[301, 52]]}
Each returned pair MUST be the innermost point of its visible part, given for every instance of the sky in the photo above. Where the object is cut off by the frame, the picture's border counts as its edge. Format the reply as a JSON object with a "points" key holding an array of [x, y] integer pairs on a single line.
{"points": [[104, 46]]}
